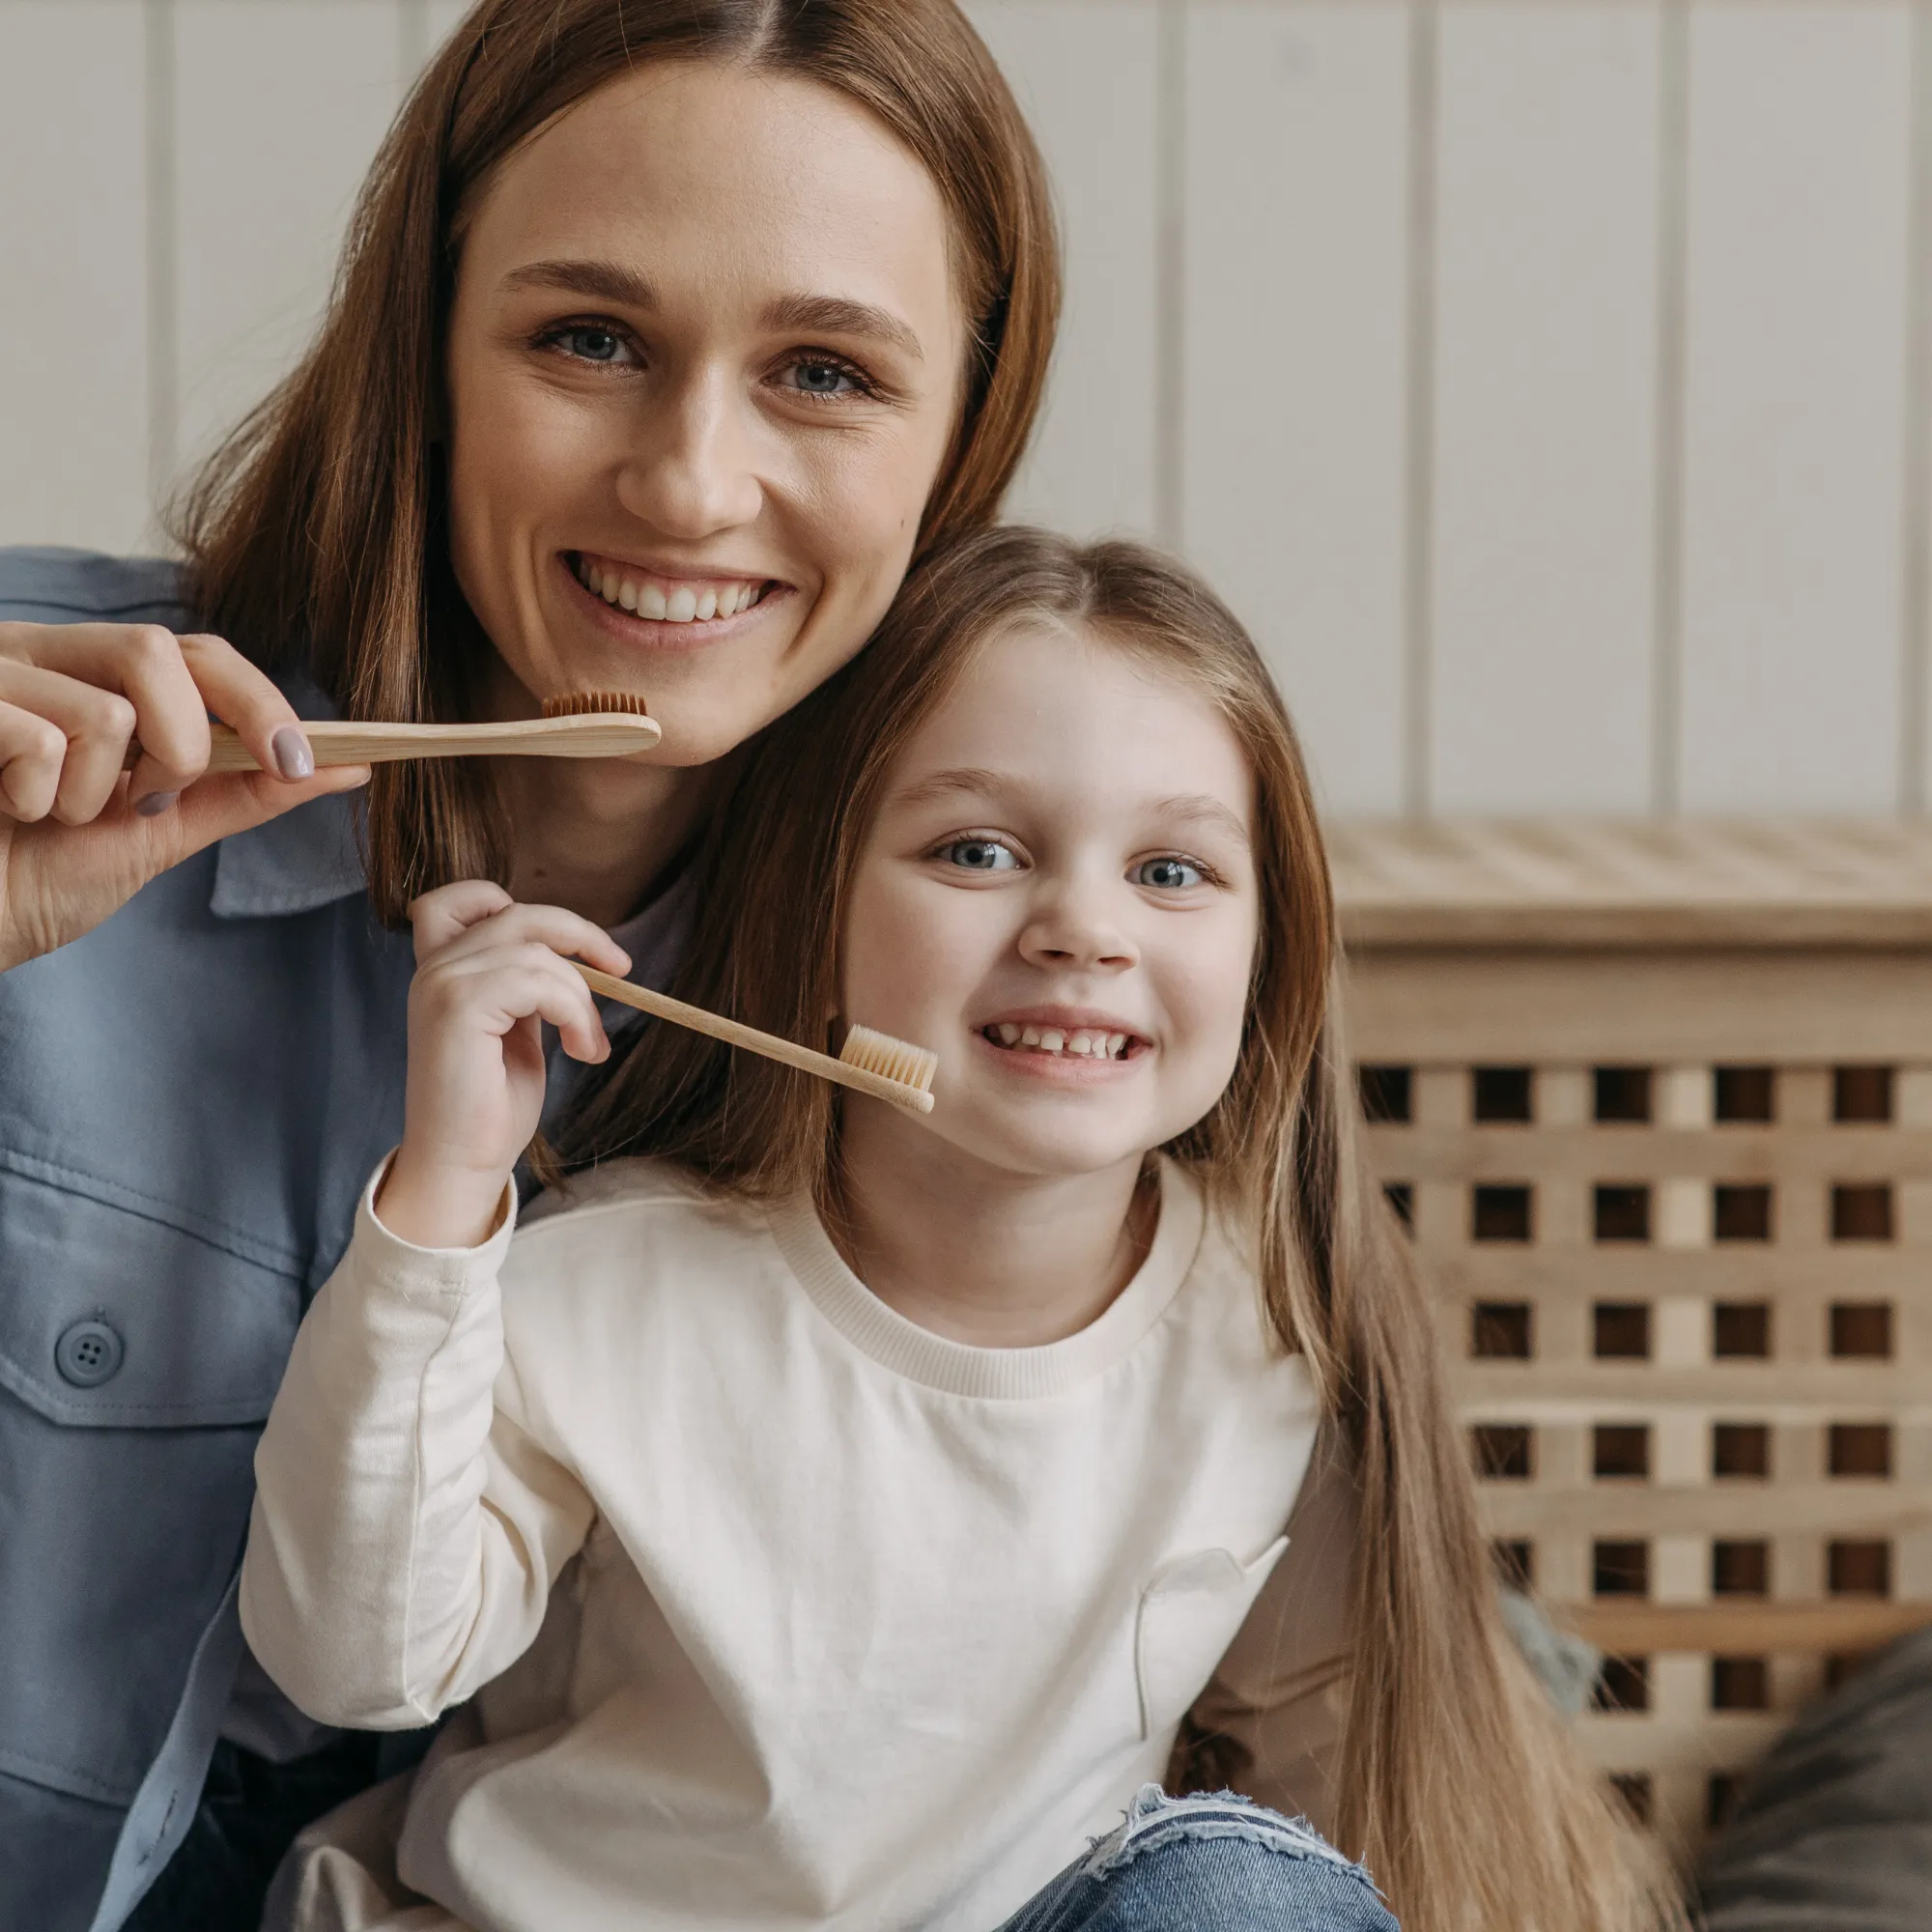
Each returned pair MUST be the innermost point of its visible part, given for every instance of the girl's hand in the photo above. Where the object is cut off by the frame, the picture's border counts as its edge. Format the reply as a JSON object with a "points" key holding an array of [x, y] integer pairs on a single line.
{"points": [[79, 837], [489, 972]]}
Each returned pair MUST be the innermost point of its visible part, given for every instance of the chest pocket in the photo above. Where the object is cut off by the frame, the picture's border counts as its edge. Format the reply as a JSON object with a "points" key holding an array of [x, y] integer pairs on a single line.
{"points": [[1188, 1616], [137, 1362]]}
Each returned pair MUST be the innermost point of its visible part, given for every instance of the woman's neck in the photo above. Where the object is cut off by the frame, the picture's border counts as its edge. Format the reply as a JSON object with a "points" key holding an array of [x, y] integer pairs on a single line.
{"points": [[982, 1255], [593, 836]]}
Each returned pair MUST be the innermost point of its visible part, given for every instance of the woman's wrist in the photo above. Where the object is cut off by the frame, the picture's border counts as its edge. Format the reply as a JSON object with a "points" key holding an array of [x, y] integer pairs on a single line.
{"points": [[433, 1205]]}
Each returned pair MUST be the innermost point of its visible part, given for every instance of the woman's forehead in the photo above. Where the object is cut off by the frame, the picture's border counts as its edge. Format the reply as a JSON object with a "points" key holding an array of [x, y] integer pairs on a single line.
{"points": [[767, 180]]}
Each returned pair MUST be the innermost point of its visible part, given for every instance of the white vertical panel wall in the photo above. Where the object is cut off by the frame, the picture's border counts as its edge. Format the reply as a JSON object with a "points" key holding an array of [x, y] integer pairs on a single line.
{"points": [[1794, 385], [73, 319], [266, 173], [1546, 246], [1085, 75], [1377, 306], [1295, 159]]}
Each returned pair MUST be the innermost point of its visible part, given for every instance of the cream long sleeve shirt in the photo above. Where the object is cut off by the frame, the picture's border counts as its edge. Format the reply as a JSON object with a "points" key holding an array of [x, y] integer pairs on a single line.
{"points": [[778, 1609]]}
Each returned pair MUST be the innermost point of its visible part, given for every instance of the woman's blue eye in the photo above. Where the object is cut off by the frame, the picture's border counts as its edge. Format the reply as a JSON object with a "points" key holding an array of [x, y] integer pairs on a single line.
{"points": [[980, 855], [592, 345], [1168, 875], [823, 379]]}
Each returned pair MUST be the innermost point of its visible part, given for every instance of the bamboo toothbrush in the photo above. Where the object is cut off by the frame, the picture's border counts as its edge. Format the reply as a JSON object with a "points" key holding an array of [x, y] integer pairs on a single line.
{"points": [[583, 724], [869, 1062]]}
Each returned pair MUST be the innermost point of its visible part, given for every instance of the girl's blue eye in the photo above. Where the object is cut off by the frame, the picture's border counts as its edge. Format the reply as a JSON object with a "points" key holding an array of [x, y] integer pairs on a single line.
{"points": [[1168, 875], [980, 855]]}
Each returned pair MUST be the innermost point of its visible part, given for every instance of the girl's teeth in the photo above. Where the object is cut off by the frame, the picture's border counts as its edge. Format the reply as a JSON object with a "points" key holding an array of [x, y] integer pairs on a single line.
{"points": [[1051, 1039], [1081, 1043], [1030, 1035], [1009, 1035], [1117, 1044]]}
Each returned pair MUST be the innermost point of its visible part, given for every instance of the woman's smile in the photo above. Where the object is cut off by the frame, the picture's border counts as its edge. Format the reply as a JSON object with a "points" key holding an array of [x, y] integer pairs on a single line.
{"points": [[666, 609]]}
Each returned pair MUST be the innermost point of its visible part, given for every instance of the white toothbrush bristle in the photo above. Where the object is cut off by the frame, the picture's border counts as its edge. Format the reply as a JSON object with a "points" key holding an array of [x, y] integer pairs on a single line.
{"points": [[892, 1059]]}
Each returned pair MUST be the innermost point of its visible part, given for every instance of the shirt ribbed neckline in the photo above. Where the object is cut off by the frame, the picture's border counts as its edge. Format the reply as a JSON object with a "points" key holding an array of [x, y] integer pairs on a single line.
{"points": [[958, 1367]]}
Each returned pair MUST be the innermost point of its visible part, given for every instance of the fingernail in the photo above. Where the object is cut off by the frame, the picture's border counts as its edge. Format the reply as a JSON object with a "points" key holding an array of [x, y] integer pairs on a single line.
{"points": [[293, 757], [155, 802]]}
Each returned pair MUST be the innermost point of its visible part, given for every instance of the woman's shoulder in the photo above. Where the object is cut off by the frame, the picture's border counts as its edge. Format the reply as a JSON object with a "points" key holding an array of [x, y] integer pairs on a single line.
{"points": [[49, 585]]}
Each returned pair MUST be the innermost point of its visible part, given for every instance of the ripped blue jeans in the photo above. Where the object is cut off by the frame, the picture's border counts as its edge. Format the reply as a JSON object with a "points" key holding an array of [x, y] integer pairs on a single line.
{"points": [[1216, 1863]]}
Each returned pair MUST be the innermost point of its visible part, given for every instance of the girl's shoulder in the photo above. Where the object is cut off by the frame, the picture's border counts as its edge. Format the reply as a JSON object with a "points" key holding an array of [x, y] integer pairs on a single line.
{"points": [[632, 1217]]}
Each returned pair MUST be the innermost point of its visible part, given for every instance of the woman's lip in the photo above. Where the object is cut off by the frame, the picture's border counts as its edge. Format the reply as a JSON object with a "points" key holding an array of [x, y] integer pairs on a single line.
{"points": [[667, 575], [658, 632]]}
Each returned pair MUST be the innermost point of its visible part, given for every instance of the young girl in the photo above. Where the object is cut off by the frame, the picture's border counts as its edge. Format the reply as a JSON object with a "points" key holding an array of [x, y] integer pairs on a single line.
{"points": [[836, 1518]]}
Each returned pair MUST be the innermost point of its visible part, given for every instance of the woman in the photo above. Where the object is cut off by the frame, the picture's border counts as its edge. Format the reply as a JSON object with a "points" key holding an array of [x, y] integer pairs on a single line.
{"points": [[668, 333]]}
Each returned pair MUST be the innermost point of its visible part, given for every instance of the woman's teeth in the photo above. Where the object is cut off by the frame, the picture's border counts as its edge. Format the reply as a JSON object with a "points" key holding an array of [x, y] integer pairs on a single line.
{"points": [[686, 604], [1081, 1043]]}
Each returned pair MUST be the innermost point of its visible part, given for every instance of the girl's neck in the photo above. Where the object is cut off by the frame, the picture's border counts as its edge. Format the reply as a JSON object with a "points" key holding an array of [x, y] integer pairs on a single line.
{"points": [[980, 1255]]}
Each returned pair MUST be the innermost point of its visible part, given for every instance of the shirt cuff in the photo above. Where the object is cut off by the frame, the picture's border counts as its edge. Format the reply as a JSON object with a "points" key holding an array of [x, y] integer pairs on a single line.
{"points": [[451, 1269]]}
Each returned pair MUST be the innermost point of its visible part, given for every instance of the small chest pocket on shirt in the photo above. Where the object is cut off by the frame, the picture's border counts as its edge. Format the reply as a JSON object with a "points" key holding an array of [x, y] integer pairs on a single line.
{"points": [[1189, 1615]]}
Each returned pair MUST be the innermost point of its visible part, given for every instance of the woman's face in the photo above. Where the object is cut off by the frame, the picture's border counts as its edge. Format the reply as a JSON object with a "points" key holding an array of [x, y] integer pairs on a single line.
{"points": [[705, 359]]}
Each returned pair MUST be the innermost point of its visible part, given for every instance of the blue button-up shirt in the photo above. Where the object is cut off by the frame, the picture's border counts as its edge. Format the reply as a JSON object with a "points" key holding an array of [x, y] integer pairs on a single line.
{"points": [[191, 1099]]}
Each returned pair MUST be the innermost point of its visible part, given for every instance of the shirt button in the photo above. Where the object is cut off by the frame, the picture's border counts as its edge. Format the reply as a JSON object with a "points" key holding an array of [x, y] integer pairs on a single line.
{"points": [[88, 1355]]}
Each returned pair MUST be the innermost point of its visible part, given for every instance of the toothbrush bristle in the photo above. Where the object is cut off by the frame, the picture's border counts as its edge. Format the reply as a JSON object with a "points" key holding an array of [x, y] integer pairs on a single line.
{"points": [[594, 704], [894, 1059]]}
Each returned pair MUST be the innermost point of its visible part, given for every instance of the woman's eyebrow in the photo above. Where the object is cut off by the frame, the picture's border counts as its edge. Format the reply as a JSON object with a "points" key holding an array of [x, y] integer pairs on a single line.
{"points": [[612, 282], [837, 314], [601, 281]]}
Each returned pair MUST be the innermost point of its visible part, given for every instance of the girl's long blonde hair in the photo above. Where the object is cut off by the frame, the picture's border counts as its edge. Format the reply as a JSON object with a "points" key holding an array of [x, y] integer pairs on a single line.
{"points": [[1458, 1786]]}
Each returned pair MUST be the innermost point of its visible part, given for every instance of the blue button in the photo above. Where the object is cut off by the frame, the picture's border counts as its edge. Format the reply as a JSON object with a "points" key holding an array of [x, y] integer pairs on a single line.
{"points": [[88, 1355]]}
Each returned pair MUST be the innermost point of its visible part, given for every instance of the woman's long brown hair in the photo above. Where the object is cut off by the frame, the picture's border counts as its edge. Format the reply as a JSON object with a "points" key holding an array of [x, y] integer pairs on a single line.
{"points": [[317, 535], [1458, 1786]]}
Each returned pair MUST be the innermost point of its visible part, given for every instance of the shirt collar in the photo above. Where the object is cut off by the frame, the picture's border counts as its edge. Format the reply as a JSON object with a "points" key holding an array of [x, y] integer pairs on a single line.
{"points": [[307, 857]]}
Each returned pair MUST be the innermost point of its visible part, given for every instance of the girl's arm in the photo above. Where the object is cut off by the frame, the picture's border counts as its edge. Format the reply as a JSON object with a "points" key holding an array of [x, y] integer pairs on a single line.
{"points": [[405, 1530]]}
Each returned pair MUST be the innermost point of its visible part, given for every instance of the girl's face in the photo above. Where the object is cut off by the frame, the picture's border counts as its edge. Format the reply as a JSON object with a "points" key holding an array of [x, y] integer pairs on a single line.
{"points": [[705, 358], [1059, 897]]}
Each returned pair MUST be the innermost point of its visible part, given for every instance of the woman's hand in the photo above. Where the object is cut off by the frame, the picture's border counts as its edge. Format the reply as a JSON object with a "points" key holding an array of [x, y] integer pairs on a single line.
{"points": [[489, 972], [79, 837]]}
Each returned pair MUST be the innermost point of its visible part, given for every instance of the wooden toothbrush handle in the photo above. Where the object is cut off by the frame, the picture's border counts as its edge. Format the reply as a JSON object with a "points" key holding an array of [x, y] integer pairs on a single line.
{"points": [[343, 741], [735, 1034]]}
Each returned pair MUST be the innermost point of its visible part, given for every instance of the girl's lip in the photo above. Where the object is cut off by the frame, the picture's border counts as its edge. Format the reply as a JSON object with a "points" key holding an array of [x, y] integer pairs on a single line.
{"points": [[658, 633]]}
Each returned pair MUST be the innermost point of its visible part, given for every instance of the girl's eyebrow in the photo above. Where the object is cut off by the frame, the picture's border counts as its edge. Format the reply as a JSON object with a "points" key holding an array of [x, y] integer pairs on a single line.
{"points": [[976, 781]]}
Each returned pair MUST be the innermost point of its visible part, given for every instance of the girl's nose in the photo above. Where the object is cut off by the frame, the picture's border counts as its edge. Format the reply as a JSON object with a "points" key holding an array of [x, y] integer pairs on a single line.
{"points": [[692, 474], [1073, 926]]}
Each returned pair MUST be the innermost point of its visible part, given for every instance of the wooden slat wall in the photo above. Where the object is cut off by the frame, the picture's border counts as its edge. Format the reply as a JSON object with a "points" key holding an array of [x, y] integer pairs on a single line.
{"points": [[1546, 385]]}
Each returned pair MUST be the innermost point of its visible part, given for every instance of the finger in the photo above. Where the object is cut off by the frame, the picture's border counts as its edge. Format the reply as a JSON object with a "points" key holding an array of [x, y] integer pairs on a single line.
{"points": [[563, 932], [243, 695], [507, 985], [96, 726], [144, 663], [438, 917], [32, 751]]}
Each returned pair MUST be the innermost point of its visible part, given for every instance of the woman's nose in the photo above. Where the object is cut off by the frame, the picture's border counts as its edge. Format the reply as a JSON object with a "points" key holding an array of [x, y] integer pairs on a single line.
{"points": [[1075, 927], [693, 472]]}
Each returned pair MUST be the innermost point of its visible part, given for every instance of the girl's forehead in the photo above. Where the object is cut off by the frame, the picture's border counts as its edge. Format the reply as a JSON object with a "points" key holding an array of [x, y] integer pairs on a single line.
{"points": [[1062, 704]]}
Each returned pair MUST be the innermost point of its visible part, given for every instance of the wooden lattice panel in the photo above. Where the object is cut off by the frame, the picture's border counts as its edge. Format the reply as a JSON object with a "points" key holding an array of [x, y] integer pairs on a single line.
{"points": [[1657, 1102]]}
